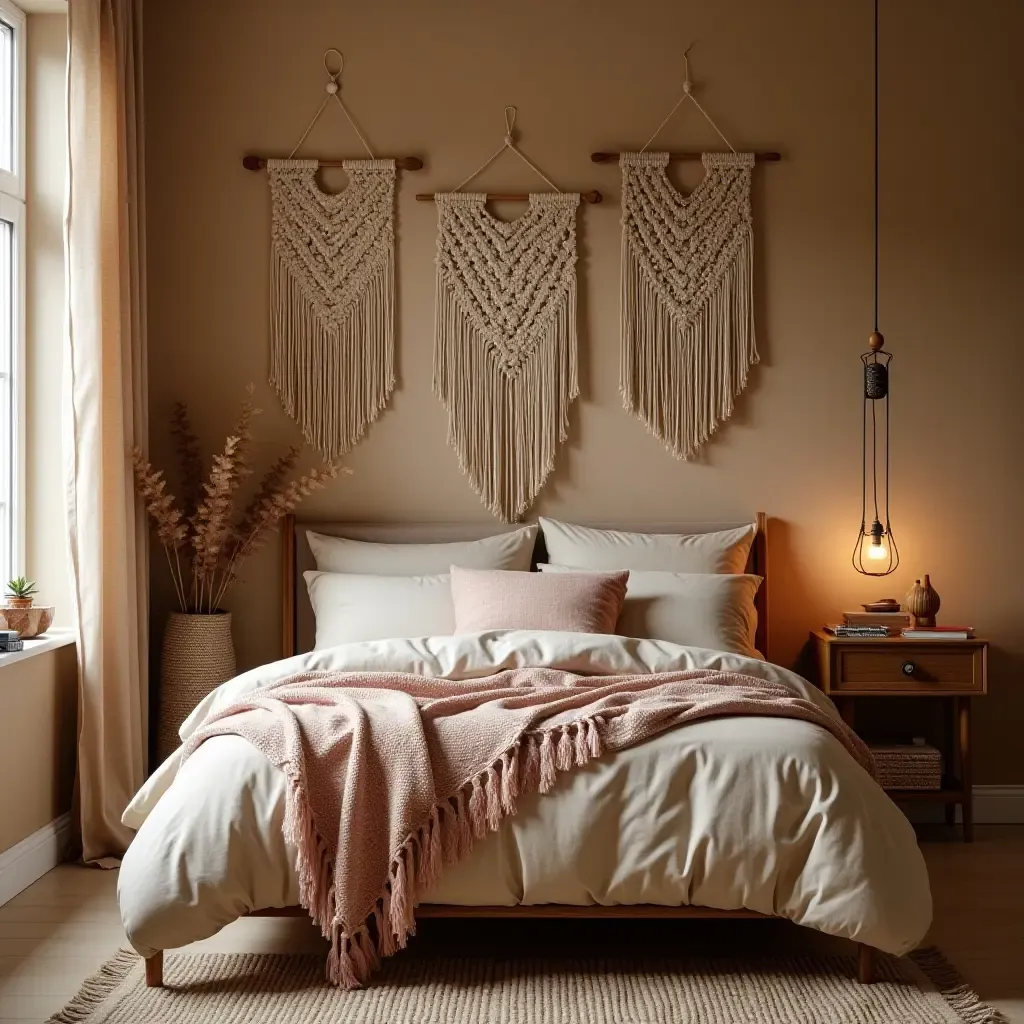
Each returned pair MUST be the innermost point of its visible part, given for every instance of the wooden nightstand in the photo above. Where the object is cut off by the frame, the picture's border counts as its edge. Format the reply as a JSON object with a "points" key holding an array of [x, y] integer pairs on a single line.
{"points": [[954, 669]]}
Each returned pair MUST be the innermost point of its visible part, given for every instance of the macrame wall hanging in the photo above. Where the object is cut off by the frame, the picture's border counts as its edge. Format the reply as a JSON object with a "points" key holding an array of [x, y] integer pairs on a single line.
{"points": [[687, 312], [505, 334], [332, 287]]}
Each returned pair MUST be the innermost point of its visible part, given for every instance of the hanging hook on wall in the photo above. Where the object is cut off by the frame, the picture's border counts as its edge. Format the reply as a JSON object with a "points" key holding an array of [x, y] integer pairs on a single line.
{"points": [[333, 89], [688, 94], [509, 143], [334, 75], [510, 123], [687, 84], [334, 65]]}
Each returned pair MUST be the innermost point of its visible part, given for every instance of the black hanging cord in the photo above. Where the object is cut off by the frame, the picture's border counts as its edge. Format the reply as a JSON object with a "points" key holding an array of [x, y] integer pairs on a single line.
{"points": [[876, 165], [876, 389]]}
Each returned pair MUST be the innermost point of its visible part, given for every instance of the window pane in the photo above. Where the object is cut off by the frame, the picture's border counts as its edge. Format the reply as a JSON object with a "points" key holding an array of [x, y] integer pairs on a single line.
{"points": [[6, 97], [7, 291]]}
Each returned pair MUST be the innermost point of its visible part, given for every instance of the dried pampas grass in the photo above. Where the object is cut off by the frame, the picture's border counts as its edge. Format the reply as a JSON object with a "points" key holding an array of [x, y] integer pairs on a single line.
{"points": [[205, 542]]}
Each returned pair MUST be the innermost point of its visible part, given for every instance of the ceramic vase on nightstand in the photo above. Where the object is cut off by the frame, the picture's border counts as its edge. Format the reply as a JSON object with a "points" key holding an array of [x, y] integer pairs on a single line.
{"points": [[922, 602], [198, 655]]}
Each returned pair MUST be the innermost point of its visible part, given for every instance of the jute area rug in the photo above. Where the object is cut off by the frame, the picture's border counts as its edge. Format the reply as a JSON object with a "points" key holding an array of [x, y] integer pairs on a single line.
{"points": [[281, 989]]}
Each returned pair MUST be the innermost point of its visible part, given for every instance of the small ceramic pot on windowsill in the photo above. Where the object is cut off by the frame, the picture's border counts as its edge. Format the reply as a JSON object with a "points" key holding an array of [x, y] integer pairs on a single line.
{"points": [[28, 620]]}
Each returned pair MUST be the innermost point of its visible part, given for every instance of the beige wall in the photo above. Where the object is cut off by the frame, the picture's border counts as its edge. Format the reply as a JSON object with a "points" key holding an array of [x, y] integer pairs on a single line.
{"points": [[231, 77], [37, 742], [45, 546]]}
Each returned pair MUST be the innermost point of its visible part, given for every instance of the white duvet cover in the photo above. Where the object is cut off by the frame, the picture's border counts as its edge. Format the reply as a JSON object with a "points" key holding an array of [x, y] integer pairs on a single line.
{"points": [[766, 814]]}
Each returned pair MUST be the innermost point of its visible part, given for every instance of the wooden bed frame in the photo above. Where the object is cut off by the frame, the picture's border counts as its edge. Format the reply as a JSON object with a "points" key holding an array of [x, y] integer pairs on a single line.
{"points": [[295, 553]]}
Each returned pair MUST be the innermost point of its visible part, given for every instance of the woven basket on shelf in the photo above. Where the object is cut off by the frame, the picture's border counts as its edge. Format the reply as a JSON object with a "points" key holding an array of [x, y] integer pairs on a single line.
{"points": [[198, 656], [908, 766]]}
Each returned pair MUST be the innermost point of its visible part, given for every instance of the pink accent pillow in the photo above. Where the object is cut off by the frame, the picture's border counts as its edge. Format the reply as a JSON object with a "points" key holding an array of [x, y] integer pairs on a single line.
{"points": [[587, 602]]}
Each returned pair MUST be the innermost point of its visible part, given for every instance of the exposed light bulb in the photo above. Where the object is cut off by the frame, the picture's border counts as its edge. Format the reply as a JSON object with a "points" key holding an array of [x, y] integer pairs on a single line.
{"points": [[877, 549]]}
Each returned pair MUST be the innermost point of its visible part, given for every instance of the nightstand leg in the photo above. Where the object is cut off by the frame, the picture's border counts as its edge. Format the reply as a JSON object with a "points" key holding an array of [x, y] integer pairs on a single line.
{"points": [[949, 766], [963, 710]]}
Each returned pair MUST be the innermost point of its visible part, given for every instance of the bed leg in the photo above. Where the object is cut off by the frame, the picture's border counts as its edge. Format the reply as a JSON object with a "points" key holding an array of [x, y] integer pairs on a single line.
{"points": [[865, 964], [155, 970]]}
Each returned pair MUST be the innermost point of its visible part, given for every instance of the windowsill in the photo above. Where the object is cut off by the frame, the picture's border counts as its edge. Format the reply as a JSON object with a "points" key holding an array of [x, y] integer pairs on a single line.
{"points": [[50, 641]]}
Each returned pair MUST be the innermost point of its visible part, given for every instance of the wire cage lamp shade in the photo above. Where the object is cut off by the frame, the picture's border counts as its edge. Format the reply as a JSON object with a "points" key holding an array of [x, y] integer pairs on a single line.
{"points": [[875, 553]]}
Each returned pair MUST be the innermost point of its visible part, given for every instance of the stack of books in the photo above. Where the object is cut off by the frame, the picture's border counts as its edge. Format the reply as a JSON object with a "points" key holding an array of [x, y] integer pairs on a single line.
{"points": [[10, 641], [863, 632], [939, 633], [892, 621]]}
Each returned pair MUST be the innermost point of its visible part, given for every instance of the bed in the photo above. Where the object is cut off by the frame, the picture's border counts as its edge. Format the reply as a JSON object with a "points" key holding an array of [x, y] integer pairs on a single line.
{"points": [[626, 837]]}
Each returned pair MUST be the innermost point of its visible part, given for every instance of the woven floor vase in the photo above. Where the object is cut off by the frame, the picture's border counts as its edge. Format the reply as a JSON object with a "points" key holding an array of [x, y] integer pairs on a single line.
{"points": [[198, 656]]}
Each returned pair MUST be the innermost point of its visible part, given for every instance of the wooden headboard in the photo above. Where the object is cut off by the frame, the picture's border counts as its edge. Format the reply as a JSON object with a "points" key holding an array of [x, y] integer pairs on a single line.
{"points": [[298, 626]]}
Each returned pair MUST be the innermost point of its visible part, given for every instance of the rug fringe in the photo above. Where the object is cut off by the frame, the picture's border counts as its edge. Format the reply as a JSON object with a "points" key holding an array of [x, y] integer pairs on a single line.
{"points": [[953, 987], [97, 988]]}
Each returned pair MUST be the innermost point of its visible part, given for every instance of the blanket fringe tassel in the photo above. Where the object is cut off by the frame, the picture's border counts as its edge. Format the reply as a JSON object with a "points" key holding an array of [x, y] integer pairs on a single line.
{"points": [[532, 764]]}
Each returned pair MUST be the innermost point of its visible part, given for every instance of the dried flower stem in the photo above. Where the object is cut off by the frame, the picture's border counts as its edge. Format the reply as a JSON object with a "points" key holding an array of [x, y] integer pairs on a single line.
{"points": [[277, 502], [215, 544], [176, 577], [190, 463]]}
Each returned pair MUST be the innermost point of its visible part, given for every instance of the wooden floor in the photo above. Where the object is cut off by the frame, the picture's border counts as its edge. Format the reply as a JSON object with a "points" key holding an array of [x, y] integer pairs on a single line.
{"points": [[61, 929]]}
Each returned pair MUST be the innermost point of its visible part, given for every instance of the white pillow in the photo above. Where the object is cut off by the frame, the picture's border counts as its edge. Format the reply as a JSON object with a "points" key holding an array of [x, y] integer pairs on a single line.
{"points": [[586, 548], [512, 550], [714, 610], [350, 607]]}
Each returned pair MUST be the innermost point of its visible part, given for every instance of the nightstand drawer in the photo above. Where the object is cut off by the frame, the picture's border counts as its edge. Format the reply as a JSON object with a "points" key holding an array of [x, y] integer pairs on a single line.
{"points": [[909, 670]]}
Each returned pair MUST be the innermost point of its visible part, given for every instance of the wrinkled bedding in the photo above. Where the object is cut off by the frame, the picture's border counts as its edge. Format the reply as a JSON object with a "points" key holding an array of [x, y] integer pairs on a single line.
{"points": [[771, 815]]}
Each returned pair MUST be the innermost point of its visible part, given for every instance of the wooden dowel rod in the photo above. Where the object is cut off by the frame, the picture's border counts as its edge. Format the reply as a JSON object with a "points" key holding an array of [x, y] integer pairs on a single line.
{"points": [[513, 197], [613, 158], [403, 163]]}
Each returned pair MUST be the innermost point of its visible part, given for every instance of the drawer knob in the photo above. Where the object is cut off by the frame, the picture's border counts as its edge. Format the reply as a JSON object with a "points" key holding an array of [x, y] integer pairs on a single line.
{"points": [[909, 668]]}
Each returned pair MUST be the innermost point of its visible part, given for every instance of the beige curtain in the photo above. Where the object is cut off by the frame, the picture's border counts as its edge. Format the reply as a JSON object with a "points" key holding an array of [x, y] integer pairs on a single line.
{"points": [[105, 402]]}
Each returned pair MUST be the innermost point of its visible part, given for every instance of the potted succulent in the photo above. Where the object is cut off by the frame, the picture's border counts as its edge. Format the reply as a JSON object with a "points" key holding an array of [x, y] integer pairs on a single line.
{"points": [[206, 539], [20, 592], [20, 613]]}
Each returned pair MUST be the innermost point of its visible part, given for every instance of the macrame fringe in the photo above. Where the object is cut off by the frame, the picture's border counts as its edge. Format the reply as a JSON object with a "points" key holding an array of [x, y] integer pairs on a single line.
{"points": [[681, 379], [332, 380], [448, 835], [505, 430]]}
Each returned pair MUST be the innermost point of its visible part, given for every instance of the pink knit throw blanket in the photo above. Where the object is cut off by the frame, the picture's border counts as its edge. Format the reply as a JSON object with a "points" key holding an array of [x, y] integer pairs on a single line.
{"points": [[393, 775]]}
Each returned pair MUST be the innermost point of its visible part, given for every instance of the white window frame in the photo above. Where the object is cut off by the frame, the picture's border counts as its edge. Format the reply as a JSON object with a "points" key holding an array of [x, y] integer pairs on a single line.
{"points": [[13, 183], [12, 209]]}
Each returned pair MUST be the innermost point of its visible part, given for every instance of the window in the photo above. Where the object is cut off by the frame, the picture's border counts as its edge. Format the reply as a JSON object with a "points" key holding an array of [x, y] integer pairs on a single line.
{"points": [[12, 285]]}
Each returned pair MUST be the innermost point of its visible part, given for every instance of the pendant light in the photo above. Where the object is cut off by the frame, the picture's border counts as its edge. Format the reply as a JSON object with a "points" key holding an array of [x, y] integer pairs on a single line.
{"points": [[875, 553]]}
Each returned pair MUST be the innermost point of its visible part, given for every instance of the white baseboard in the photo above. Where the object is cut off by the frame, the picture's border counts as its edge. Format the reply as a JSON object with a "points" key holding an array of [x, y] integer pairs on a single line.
{"points": [[27, 862], [993, 805], [999, 805]]}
